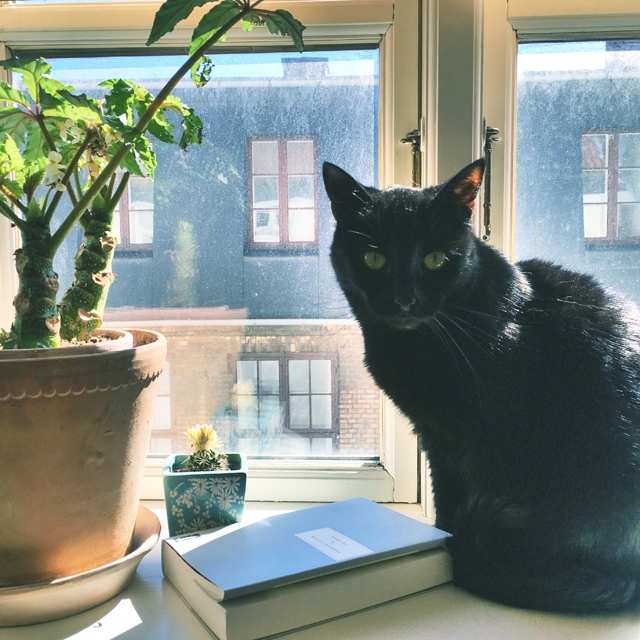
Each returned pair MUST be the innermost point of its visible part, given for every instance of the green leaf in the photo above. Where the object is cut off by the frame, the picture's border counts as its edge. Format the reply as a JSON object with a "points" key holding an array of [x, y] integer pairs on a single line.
{"points": [[201, 71], [67, 106], [32, 71], [213, 21], [33, 210], [191, 129], [13, 186], [10, 157], [169, 14], [37, 148], [13, 123], [285, 24], [9, 94], [160, 128]]}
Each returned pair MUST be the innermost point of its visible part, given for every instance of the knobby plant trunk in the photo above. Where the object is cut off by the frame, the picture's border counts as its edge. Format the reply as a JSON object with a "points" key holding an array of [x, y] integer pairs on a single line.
{"points": [[36, 321], [82, 306]]}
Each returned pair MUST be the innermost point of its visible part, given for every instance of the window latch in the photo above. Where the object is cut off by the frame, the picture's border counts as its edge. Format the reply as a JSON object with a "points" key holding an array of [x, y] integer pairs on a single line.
{"points": [[490, 136], [413, 138]]}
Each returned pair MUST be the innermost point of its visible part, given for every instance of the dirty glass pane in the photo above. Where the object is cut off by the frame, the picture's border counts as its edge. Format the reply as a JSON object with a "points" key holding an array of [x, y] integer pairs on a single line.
{"points": [[578, 158], [300, 156], [302, 225], [594, 151], [266, 226], [265, 156], [321, 412], [140, 227], [321, 376], [208, 285], [630, 149], [298, 376], [299, 412], [269, 376], [629, 220], [629, 185], [140, 194]]}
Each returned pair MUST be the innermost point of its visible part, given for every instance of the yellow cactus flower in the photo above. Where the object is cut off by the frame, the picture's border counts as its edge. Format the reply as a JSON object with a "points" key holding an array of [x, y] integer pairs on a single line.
{"points": [[203, 437]]}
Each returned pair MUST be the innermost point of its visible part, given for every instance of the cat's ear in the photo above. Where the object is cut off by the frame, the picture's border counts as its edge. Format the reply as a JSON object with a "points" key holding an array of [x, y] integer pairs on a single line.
{"points": [[461, 190], [348, 196]]}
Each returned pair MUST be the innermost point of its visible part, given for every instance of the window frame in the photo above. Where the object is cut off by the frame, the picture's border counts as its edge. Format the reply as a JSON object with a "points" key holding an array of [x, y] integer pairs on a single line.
{"points": [[283, 204], [613, 147], [394, 27], [284, 393]]}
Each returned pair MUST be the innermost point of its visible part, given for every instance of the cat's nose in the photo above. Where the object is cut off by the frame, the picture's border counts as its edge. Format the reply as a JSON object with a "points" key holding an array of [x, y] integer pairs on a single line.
{"points": [[405, 305]]}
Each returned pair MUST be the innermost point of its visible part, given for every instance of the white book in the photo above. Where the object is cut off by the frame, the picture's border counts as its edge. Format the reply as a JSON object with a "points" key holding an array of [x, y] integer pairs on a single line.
{"points": [[310, 602], [304, 567], [246, 558]]}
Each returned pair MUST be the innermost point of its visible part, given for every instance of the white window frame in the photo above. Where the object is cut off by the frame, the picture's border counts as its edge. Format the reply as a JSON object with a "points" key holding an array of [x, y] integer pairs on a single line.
{"points": [[395, 27]]}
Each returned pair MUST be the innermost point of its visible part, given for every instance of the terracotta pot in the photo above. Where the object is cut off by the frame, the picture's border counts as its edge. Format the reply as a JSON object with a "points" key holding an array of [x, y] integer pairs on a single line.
{"points": [[74, 432]]}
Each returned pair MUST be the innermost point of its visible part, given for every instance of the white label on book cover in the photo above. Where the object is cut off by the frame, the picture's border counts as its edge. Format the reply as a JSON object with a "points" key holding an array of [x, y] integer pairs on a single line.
{"points": [[334, 544]]}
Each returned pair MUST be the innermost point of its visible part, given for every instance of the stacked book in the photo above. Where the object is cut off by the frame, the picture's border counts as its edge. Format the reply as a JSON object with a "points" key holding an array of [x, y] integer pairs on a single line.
{"points": [[296, 569]]}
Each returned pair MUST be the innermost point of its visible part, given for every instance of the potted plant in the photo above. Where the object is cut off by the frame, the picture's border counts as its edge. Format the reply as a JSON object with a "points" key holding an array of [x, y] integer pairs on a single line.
{"points": [[83, 415], [204, 489]]}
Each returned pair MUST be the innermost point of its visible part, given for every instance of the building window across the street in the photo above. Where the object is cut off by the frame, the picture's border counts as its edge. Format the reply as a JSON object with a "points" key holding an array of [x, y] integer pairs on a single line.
{"points": [[611, 187], [283, 186], [133, 217], [287, 399]]}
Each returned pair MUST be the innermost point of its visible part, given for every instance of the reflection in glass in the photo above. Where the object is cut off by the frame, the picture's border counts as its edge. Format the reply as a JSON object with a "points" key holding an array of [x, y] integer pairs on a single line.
{"points": [[298, 376], [595, 151], [301, 192], [594, 186], [629, 185], [266, 226], [302, 225], [595, 220], [264, 157], [247, 377], [321, 411], [630, 149], [265, 192], [629, 220], [269, 377], [300, 156], [140, 227], [320, 376], [299, 417]]}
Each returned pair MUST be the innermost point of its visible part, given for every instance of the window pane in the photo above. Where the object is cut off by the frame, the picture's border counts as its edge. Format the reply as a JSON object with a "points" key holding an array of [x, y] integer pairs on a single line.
{"points": [[302, 226], [298, 376], [595, 151], [140, 194], [575, 99], [629, 220], [595, 220], [269, 376], [264, 156], [216, 295], [247, 412], [265, 192], [594, 186], [320, 376], [301, 192], [629, 185], [300, 156], [630, 149], [247, 377], [162, 416], [321, 412], [140, 227], [299, 412]]}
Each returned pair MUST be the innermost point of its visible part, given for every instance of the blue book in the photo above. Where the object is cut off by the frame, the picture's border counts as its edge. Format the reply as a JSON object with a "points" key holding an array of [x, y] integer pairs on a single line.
{"points": [[244, 559]]}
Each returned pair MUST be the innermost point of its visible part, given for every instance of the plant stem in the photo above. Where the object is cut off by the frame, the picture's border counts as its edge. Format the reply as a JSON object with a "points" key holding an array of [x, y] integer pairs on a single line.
{"points": [[45, 133], [65, 180], [14, 201], [65, 228], [5, 210], [119, 191]]}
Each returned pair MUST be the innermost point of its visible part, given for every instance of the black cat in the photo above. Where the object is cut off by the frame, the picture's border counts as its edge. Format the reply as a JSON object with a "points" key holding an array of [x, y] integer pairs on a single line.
{"points": [[522, 383]]}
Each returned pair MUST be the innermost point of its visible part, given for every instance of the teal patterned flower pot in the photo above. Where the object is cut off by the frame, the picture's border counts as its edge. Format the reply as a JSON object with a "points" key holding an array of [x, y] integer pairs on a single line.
{"points": [[199, 500]]}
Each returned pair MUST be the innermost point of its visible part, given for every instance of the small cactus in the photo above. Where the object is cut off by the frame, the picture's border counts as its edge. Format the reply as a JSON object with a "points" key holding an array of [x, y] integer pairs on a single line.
{"points": [[206, 445]]}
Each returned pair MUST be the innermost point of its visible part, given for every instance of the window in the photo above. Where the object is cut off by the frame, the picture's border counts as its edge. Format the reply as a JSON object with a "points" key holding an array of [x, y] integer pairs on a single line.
{"points": [[133, 217], [283, 193], [285, 405], [161, 427], [611, 187], [184, 287], [578, 183]]}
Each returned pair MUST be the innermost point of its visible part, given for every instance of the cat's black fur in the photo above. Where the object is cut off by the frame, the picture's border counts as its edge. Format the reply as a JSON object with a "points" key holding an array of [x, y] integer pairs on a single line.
{"points": [[523, 385]]}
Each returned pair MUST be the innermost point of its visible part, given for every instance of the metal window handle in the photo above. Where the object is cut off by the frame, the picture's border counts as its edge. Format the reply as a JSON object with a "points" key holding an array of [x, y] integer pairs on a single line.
{"points": [[490, 136], [413, 138]]}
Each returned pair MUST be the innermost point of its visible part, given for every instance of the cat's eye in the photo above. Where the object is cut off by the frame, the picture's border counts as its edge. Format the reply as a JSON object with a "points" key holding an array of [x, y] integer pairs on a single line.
{"points": [[374, 260], [435, 260]]}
